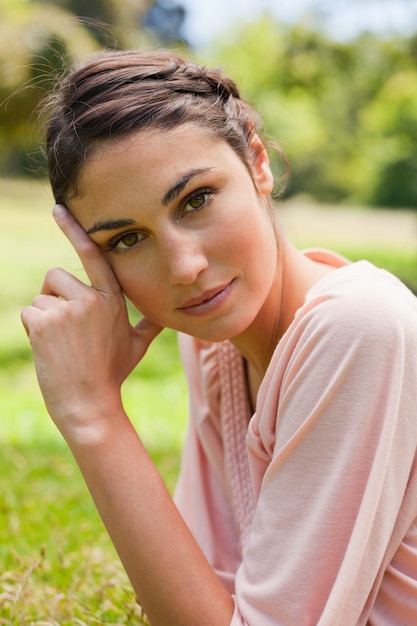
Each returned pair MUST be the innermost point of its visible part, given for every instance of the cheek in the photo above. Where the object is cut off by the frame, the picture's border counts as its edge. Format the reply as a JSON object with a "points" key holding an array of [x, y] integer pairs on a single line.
{"points": [[138, 285], [252, 237], [260, 252]]}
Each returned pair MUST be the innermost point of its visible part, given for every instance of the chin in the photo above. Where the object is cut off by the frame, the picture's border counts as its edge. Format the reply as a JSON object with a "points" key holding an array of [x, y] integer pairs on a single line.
{"points": [[220, 330]]}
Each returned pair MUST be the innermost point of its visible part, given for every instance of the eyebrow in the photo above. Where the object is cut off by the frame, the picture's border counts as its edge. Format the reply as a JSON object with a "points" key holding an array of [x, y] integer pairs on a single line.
{"points": [[110, 225], [172, 193]]}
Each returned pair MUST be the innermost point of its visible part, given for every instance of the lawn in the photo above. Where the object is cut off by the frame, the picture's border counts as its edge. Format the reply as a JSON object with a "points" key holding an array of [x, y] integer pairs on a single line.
{"points": [[57, 565]]}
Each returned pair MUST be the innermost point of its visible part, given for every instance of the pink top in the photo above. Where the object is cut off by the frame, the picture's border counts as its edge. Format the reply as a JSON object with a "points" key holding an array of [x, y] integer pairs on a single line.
{"points": [[307, 510]]}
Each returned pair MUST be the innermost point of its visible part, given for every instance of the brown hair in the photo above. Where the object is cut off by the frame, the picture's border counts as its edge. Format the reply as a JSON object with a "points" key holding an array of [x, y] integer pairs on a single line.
{"points": [[118, 92]]}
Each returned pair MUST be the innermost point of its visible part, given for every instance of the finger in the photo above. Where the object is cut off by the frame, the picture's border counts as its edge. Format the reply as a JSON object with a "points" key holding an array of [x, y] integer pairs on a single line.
{"points": [[60, 283], [29, 317], [25, 319], [46, 302], [95, 265]]}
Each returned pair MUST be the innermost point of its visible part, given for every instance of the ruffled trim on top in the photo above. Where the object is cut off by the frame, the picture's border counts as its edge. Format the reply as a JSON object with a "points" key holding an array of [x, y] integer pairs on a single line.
{"points": [[222, 425]]}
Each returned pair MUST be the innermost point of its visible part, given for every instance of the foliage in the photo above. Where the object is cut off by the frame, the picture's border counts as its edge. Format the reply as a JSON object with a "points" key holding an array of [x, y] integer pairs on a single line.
{"points": [[38, 40], [345, 112]]}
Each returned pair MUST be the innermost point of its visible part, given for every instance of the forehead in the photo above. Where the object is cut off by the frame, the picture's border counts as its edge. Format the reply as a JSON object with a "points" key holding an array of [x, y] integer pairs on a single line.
{"points": [[152, 141], [154, 156], [139, 170]]}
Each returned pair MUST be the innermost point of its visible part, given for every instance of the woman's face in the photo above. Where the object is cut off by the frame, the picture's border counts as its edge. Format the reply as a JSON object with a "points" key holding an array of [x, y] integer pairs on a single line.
{"points": [[185, 228]]}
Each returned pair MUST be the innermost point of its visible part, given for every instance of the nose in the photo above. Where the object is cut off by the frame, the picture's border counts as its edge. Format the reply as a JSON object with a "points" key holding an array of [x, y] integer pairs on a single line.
{"points": [[185, 257]]}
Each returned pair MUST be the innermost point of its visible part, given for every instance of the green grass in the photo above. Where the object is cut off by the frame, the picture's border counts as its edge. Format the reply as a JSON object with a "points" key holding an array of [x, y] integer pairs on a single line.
{"points": [[57, 565]]}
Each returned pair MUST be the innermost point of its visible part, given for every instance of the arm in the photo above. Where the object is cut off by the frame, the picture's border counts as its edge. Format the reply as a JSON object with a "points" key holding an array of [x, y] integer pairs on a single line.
{"points": [[172, 579], [84, 347]]}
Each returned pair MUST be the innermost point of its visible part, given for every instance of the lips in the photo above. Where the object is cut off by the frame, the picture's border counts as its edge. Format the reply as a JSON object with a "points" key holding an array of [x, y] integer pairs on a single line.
{"points": [[207, 301]]}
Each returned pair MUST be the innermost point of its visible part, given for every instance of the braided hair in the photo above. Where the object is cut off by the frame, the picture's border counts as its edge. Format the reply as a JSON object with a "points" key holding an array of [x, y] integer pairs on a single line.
{"points": [[119, 92]]}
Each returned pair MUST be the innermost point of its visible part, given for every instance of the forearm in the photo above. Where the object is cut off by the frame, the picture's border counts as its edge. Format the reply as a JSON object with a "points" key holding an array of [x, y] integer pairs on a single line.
{"points": [[171, 577]]}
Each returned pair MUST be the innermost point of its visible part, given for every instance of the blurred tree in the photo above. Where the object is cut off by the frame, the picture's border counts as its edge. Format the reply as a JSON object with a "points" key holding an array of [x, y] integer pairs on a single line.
{"points": [[336, 107], [345, 112], [36, 41], [113, 23], [390, 124], [38, 38]]}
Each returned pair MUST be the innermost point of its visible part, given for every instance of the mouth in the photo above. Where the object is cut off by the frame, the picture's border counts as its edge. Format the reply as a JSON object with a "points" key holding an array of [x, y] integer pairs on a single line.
{"points": [[207, 301]]}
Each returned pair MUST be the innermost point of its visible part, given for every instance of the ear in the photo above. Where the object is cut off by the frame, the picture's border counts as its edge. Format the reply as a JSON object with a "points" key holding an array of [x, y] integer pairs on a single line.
{"points": [[261, 171]]}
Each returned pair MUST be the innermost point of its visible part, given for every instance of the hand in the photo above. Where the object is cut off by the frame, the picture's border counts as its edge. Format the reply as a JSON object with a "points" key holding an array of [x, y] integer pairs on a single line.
{"points": [[84, 345]]}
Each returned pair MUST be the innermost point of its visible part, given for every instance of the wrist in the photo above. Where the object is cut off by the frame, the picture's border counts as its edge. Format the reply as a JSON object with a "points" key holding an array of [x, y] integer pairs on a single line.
{"points": [[89, 423]]}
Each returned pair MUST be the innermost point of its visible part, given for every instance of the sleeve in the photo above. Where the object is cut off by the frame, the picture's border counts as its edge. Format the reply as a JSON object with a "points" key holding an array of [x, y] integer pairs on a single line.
{"points": [[336, 429], [200, 494]]}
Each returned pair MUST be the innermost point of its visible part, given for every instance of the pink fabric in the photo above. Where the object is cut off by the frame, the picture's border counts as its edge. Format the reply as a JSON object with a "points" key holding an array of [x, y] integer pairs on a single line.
{"points": [[308, 514]]}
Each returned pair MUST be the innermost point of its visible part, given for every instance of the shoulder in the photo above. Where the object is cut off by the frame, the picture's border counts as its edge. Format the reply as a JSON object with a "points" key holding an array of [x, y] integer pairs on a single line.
{"points": [[361, 300], [350, 348], [358, 317]]}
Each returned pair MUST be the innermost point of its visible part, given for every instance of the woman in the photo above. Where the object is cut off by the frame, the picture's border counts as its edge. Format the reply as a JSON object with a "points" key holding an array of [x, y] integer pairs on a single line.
{"points": [[297, 499]]}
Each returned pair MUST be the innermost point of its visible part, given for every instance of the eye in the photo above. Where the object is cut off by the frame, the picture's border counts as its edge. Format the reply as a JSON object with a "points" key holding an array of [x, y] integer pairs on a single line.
{"points": [[125, 241], [197, 200]]}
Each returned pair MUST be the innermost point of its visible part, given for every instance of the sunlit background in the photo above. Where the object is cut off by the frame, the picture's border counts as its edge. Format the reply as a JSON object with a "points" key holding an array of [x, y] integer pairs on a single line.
{"points": [[342, 19], [335, 80]]}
